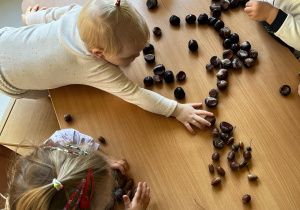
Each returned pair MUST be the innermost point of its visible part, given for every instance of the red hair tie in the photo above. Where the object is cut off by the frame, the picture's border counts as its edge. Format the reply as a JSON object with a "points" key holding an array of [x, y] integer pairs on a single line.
{"points": [[84, 201], [118, 3]]}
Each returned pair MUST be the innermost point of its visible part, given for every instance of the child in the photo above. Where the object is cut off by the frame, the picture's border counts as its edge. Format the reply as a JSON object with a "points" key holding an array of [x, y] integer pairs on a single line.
{"points": [[83, 45], [55, 175], [281, 18]]}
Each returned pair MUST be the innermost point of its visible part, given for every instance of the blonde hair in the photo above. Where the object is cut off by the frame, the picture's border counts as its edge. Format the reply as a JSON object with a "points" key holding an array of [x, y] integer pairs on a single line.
{"points": [[31, 177], [102, 24]]}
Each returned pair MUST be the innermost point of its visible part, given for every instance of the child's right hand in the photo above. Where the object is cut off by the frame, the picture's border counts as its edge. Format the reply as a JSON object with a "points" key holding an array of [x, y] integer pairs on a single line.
{"points": [[29, 11], [140, 200], [188, 115], [261, 11]]}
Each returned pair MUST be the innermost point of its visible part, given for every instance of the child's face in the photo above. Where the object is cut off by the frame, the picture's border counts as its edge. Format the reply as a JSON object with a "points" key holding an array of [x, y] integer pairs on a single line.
{"points": [[125, 57]]}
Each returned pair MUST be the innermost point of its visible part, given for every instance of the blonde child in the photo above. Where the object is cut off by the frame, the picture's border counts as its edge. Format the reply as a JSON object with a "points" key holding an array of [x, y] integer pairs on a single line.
{"points": [[83, 45], [281, 18], [67, 172]]}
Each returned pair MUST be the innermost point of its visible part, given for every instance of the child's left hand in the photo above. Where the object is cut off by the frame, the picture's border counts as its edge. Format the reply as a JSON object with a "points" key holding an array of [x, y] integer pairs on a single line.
{"points": [[118, 163], [261, 11], [29, 11]]}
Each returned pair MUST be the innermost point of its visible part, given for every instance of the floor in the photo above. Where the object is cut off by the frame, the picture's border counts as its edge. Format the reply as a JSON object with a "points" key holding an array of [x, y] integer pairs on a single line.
{"points": [[10, 15]]}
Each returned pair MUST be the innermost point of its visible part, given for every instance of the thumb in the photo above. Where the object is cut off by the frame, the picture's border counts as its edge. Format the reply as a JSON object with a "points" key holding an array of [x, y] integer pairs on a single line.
{"points": [[126, 201]]}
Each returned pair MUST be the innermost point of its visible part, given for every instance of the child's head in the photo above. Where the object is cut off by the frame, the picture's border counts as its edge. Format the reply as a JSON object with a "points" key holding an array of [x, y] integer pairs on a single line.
{"points": [[114, 33], [31, 179]]}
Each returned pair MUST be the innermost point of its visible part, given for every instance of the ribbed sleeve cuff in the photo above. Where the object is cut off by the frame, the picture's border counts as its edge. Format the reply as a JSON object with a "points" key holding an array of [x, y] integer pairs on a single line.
{"points": [[279, 20]]}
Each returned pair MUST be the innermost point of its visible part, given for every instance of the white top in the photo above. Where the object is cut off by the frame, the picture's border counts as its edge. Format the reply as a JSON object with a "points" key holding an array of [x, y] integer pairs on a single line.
{"points": [[48, 53], [71, 136], [289, 32]]}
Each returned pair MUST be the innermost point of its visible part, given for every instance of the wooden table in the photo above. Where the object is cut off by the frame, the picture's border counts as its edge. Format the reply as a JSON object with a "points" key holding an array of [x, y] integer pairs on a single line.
{"points": [[162, 152]]}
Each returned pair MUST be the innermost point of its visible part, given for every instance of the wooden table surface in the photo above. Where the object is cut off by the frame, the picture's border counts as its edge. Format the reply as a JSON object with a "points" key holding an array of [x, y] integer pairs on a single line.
{"points": [[163, 153]]}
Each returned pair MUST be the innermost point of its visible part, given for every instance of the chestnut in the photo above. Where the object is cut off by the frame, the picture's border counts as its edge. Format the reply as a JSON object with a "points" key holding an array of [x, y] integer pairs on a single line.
{"points": [[118, 195], [235, 147], [213, 7], [148, 81], [169, 76], [241, 144], [285, 90], [193, 45], [211, 168], [215, 132], [215, 156], [224, 32], [253, 54], [159, 69], [248, 148], [230, 141], [242, 54], [235, 47], [67, 118], [246, 199], [216, 13], [222, 74], [180, 76], [243, 164], [231, 156], [101, 139], [190, 19], [203, 18], [148, 49], [226, 63], [234, 166], [218, 143], [248, 62], [209, 67], [218, 25], [210, 119], [149, 58], [246, 46], [174, 20], [213, 93], [234, 3], [226, 127], [234, 37], [158, 78], [247, 155], [252, 177], [221, 171], [211, 102], [224, 136], [222, 84], [224, 4], [215, 181], [227, 43], [227, 54], [212, 20], [151, 4], [215, 61], [179, 93], [156, 31], [129, 184], [236, 64]]}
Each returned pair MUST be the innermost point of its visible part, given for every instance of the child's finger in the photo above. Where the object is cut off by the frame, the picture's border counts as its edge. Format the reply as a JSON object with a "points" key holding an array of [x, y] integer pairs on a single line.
{"points": [[190, 129], [43, 8], [202, 112], [202, 120], [29, 9], [124, 164], [144, 191], [196, 105], [138, 191], [35, 8], [198, 125], [126, 201], [249, 4]]}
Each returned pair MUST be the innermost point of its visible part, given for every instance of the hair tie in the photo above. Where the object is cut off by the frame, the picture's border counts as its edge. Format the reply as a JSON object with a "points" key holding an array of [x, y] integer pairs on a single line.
{"points": [[118, 3], [57, 185]]}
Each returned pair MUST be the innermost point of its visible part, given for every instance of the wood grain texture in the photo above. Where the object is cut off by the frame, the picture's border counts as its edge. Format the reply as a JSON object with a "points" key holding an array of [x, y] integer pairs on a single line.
{"points": [[162, 152]]}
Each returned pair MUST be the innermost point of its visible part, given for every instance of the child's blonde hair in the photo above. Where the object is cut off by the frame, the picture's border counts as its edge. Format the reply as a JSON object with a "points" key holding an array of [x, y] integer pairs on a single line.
{"points": [[31, 178], [104, 25]]}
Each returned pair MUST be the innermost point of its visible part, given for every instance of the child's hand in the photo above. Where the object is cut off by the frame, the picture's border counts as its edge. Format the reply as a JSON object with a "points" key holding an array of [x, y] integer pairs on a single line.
{"points": [[187, 114], [29, 11], [141, 198], [261, 11], [117, 163], [299, 89]]}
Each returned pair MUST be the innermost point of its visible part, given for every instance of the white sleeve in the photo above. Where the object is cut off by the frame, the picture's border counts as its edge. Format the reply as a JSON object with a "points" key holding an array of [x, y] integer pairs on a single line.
{"points": [[71, 136], [48, 15], [110, 78]]}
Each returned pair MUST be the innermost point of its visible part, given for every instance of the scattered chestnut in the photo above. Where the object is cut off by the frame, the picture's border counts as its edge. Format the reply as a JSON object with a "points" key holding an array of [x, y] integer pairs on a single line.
{"points": [[212, 20], [215, 181], [227, 54], [235, 47], [247, 155], [218, 143], [285, 90], [180, 76], [202, 19], [227, 43], [243, 164], [118, 194], [216, 13], [169, 76], [246, 199], [242, 54], [174, 20], [149, 58], [237, 64], [215, 132], [151, 4], [67, 118], [215, 156], [193, 45], [226, 63], [241, 144], [156, 31], [224, 4], [248, 148], [221, 171], [224, 32], [218, 25], [222, 74], [224, 136], [215, 61], [158, 78], [213, 7], [148, 49], [246, 46], [253, 54], [231, 156], [235, 147], [129, 194], [211, 168], [209, 67], [129, 184], [248, 62], [148, 81], [211, 102], [210, 119], [190, 19], [252, 177], [213, 93], [222, 84], [179, 93], [101, 139], [159, 69], [234, 37], [230, 141], [234, 166], [234, 3]]}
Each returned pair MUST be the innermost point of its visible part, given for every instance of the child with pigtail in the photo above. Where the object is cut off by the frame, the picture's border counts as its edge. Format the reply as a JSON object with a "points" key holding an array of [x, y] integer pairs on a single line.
{"points": [[67, 172]]}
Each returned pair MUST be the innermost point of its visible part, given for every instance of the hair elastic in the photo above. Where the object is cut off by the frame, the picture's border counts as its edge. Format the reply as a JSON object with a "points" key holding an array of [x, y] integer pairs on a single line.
{"points": [[57, 185], [118, 3]]}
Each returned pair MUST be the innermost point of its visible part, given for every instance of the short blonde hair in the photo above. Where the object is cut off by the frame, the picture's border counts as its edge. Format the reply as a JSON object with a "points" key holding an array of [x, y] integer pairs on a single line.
{"points": [[31, 178], [104, 25]]}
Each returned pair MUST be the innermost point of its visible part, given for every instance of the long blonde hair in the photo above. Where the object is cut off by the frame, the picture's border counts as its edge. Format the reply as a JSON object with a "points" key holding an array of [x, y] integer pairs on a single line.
{"points": [[102, 24], [31, 178]]}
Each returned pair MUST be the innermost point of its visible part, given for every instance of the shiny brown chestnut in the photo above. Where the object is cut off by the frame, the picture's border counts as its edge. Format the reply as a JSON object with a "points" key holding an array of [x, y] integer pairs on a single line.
{"points": [[222, 84], [159, 69], [222, 74], [213, 93], [211, 102]]}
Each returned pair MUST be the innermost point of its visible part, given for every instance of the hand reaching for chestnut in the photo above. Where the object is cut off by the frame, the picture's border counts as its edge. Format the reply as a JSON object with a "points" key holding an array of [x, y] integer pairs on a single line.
{"points": [[261, 11], [188, 115]]}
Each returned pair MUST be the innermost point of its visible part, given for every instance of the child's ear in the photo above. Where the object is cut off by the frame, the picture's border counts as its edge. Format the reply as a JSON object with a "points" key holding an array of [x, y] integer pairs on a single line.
{"points": [[98, 53]]}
